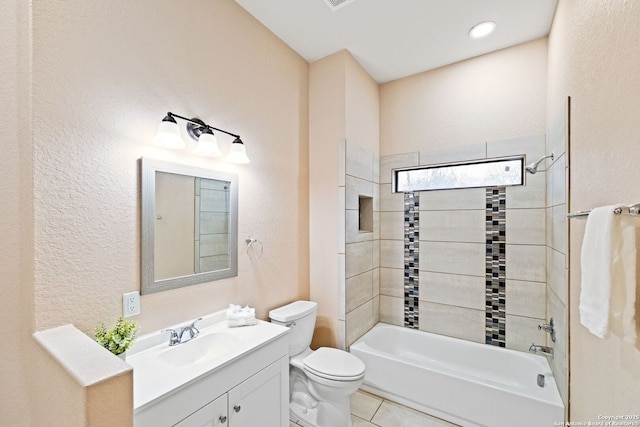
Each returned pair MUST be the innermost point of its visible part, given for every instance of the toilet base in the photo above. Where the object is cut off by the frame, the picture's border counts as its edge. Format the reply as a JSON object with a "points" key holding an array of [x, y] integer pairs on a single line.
{"points": [[306, 417], [303, 409], [306, 410], [303, 416]]}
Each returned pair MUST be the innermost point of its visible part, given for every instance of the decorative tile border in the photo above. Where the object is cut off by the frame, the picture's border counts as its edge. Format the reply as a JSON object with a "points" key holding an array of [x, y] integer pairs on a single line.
{"points": [[495, 320], [411, 258]]}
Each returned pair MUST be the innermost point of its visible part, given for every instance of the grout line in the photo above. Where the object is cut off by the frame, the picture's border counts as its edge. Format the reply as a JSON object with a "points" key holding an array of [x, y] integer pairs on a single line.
{"points": [[360, 418], [376, 411]]}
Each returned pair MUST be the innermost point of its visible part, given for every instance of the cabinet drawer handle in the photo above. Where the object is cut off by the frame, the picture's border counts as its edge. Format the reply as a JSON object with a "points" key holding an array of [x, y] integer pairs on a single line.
{"points": [[223, 419], [237, 408]]}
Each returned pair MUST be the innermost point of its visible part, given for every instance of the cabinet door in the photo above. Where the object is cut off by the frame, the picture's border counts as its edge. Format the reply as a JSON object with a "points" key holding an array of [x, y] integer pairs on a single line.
{"points": [[213, 414], [263, 399]]}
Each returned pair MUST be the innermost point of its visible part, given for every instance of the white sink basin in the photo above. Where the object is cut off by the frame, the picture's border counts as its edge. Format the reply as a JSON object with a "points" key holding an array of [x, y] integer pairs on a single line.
{"points": [[199, 349], [159, 369]]}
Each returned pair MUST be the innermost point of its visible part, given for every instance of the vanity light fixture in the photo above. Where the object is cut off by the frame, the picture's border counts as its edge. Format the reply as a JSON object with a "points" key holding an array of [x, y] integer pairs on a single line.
{"points": [[168, 136], [482, 29]]}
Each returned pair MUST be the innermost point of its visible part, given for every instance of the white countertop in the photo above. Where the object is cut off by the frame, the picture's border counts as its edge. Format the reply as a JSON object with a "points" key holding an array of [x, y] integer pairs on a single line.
{"points": [[153, 379]]}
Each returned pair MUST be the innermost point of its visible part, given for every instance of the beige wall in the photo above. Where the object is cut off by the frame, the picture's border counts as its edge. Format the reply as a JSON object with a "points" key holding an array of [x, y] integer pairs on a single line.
{"points": [[78, 383], [493, 97], [326, 129], [362, 109], [594, 58], [103, 76], [16, 215], [343, 101]]}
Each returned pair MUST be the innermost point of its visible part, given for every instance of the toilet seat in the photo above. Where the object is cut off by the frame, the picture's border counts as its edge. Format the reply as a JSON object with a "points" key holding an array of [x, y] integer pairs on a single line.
{"points": [[334, 365]]}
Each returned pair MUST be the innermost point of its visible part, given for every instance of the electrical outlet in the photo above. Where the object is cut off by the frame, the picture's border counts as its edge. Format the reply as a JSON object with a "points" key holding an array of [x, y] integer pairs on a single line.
{"points": [[130, 303]]}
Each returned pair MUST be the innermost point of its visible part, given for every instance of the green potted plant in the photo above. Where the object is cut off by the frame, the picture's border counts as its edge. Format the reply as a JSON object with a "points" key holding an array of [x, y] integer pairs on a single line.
{"points": [[117, 339]]}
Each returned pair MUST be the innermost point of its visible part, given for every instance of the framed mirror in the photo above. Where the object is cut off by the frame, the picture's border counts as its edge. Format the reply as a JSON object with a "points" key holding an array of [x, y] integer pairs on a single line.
{"points": [[189, 225]]}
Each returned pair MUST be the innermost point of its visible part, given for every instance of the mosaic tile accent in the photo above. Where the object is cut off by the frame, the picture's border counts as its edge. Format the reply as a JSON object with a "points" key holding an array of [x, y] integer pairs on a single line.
{"points": [[495, 290], [411, 258]]}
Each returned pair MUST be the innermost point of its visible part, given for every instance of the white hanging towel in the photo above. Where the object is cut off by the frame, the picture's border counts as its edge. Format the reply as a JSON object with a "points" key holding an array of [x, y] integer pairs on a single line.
{"points": [[608, 265], [623, 292]]}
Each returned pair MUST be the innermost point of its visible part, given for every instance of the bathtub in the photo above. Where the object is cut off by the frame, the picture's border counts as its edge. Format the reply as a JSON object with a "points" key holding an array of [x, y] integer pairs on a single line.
{"points": [[463, 382]]}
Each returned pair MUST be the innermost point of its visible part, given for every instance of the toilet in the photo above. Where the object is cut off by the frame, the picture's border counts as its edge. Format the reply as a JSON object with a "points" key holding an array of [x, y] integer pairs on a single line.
{"points": [[320, 381]]}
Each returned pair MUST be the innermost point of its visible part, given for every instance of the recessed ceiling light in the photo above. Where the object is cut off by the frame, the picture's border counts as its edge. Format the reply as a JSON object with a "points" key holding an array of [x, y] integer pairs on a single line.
{"points": [[482, 29], [337, 4]]}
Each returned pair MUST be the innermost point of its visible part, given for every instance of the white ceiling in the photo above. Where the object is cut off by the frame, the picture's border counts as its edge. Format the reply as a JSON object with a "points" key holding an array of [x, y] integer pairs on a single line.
{"points": [[396, 38]]}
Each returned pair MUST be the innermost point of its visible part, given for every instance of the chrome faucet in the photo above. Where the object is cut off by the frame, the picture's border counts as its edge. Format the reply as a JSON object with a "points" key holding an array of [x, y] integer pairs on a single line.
{"points": [[549, 327], [541, 349], [191, 330], [177, 337], [173, 338]]}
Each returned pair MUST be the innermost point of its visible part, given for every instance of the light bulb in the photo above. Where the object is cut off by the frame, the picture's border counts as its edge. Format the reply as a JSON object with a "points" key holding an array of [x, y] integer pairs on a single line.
{"points": [[237, 153], [207, 145], [168, 135]]}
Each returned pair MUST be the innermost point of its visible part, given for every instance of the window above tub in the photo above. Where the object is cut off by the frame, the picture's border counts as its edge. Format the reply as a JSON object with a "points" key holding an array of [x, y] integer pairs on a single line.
{"points": [[482, 173]]}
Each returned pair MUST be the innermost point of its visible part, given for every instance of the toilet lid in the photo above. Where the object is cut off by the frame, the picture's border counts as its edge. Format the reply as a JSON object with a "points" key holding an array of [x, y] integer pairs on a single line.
{"points": [[334, 364]]}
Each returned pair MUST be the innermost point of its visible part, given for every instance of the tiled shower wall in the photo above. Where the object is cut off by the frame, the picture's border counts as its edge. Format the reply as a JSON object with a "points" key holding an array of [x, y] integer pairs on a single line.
{"points": [[557, 237], [453, 255], [358, 250]]}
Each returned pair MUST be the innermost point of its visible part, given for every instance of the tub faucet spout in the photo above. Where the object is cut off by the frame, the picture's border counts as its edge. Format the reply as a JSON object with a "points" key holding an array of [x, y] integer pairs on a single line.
{"points": [[541, 349]]}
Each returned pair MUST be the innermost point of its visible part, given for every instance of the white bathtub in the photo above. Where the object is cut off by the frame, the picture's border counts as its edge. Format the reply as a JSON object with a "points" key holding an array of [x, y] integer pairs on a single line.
{"points": [[466, 383]]}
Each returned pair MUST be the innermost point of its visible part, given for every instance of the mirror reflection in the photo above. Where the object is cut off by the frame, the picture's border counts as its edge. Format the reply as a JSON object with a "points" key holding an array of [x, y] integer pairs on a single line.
{"points": [[189, 228], [192, 225]]}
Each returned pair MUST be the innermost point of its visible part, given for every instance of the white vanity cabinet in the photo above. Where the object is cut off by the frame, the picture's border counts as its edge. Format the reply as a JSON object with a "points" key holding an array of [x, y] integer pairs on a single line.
{"points": [[246, 386], [256, 401], [213, 414]]}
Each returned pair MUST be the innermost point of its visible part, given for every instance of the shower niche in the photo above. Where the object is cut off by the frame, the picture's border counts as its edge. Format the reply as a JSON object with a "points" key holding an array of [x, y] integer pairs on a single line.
{"points": [[365, 214]]}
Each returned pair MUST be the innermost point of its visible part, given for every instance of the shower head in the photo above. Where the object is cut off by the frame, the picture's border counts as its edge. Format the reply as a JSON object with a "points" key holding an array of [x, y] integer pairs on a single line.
{"points": [[532, 168]]}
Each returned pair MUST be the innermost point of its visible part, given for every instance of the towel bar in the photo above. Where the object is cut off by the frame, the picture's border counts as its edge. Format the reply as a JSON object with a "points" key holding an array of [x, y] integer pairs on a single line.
{"points": [[629, 210]]}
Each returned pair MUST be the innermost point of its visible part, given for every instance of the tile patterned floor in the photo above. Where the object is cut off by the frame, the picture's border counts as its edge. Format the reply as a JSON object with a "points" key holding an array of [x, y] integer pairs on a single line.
{"points": [[368, 410]]}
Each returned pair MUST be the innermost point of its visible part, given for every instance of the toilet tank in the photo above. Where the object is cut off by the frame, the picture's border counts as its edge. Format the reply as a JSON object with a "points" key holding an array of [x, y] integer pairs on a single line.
{"points": [[300, 316]]}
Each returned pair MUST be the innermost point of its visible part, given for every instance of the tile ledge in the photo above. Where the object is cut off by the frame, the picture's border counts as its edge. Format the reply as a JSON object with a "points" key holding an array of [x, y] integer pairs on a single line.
{"points": [[84, 359]]}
